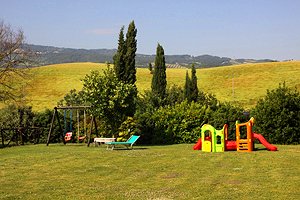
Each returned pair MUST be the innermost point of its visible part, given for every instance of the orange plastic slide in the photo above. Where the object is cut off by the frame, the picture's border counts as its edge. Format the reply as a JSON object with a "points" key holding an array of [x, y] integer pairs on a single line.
{"points": [[265, 142]]}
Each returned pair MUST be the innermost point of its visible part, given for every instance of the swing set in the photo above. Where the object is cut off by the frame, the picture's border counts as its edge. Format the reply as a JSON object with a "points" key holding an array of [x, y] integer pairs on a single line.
{"points": [[67, 133]]}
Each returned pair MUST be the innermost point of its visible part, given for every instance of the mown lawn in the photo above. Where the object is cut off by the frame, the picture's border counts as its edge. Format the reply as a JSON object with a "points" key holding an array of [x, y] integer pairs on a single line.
{"points": [[147, 172]]}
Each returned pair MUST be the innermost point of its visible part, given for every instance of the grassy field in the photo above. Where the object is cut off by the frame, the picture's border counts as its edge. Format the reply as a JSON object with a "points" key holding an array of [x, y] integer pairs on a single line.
{"points": [[147, 172], [242, 84]]}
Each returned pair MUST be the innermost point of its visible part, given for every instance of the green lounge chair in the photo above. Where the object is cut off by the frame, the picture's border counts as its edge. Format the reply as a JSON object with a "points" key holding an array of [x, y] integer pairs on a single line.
{"points": [[128, 143]]}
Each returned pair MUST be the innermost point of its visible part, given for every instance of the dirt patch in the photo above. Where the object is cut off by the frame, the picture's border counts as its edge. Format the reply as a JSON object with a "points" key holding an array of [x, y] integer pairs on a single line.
{"points": [[171, 176]]}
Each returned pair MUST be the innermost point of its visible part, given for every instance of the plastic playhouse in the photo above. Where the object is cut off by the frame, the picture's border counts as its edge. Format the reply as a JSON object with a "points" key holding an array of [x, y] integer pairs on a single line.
{"points": [[213, 140]]}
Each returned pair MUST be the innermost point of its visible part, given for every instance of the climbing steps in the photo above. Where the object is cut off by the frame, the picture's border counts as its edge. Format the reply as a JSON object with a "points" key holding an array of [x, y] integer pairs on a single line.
{"points": [[244, 145]]}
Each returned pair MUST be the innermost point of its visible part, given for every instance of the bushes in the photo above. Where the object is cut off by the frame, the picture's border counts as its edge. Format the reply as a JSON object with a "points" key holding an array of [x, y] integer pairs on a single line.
{"points": [[21, 124], [182, 122], [226, 113], [174, 120], [43, 120], [172, 124], [278, 116]]}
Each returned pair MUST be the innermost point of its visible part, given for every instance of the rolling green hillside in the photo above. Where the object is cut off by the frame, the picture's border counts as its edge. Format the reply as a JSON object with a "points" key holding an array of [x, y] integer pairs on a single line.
{"points": [[243, 84]]}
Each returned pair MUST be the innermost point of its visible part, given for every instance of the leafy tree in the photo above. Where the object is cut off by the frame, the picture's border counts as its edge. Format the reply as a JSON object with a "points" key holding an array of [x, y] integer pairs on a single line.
{"points": [[175, 95], [131, 47], [9, 117], [14, 59], [193, 85], [111, 99], [159, 79], [73, 98], [119, 57], [278, 116]]}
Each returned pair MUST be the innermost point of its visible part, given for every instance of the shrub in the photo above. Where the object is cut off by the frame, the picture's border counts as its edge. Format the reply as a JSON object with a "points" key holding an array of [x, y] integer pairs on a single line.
{"points": [[226, 113], [43, 120], [173, 124], [18, 123], [278, 116], [180, 121], [127, 128]]}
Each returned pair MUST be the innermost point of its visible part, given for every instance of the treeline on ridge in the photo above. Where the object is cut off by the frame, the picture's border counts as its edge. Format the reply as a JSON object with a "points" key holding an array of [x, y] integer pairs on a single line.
{"points": [[54, 55]]}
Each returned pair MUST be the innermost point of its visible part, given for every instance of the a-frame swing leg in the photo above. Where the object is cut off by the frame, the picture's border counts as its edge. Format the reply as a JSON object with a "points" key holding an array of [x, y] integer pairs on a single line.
{"points": [[94, 119], [60, 129], [55, 115], [90, 132], [93, 122], [51, 126]]}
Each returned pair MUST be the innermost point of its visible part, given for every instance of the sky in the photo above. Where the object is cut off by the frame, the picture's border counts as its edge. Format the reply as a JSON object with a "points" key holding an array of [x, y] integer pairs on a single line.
{"points": [[255, 29]]}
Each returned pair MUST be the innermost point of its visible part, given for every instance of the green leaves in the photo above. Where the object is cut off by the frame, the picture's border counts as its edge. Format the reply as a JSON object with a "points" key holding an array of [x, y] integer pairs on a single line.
{"points": [[278, 116], [110, 98], [191, 91], [159, 79], [124, 59]]}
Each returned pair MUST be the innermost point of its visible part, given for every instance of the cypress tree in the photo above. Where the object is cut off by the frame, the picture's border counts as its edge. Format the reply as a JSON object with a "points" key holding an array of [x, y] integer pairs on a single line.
{"points": [[187, 87], [119, 57], [150, 68], [131, 47], [159, 78], [124, 63], [193, 85]]}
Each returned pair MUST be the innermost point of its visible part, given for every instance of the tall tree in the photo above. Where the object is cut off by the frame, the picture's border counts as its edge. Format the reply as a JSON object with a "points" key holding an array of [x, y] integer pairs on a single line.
{"points": [[159, 78], [187, 87], [111, 98], [124, 62], [193, 85], [150, 68], [14, 58], [131, 47], [119, 57]]}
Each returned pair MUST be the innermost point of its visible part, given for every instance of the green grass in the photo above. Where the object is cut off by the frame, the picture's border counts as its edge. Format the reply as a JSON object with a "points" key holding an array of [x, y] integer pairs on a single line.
{"points": [[147, 172], [251, 81], [50, 83]]}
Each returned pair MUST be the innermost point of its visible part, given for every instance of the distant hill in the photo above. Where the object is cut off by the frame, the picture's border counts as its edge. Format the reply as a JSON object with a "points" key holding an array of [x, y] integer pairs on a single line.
{"points": [[240, 84], [54, 55]]}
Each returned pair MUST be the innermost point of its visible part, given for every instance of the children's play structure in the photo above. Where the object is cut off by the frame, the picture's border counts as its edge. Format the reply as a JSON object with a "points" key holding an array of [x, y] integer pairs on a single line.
{"points": [[68, 131], [213, 140]]}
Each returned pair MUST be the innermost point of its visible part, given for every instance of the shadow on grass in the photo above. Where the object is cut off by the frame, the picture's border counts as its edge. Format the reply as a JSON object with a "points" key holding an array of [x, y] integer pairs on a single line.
{"points": [[260, 149], [126, 149]]}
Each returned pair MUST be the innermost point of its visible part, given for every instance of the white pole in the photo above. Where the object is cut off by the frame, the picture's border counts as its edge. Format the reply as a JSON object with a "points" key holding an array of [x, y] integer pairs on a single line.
{"points": [[78, 126], [233, 87]]}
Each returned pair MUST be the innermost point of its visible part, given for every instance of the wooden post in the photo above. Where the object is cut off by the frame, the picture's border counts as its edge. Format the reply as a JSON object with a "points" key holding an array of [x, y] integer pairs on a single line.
{"points": [[60, 129], [94, 119], [90, 132]]}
